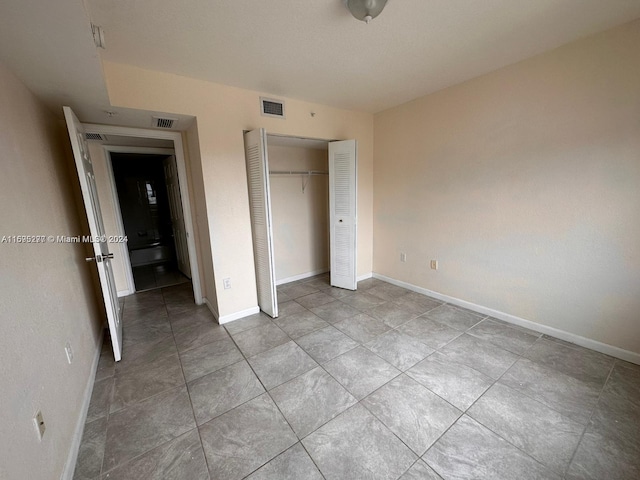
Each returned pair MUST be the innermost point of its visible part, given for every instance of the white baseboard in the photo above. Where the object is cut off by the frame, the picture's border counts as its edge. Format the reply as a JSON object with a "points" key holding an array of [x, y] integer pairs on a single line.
{"points": [[211, 308], [313, 274], [72, 457], [124, 293], [238, 315], [232, 316], [302, 276], [365, 276], [605, 348]]}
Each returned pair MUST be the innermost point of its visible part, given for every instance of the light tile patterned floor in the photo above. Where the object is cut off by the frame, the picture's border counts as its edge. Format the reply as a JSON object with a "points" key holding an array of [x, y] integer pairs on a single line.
{"points": [[379, 383]]}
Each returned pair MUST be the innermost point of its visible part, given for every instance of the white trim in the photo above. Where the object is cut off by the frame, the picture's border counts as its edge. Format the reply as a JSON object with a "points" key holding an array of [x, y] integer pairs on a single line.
{"points": [[210, 307], [142, 150], [238, 315], [72, 457], [302, 276], [124, 293], [116, 203], [605, 348], [365, 277], [131, 286], [184, 187]]}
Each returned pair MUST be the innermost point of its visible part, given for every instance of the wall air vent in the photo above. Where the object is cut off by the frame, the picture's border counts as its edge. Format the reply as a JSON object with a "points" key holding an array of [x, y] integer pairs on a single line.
{"points": [[94, 136], [163, 122], [271, 108]]}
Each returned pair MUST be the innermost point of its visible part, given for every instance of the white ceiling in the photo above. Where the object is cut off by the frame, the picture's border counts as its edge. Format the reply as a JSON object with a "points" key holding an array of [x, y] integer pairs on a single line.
{"points": [[315, 50], [49, 46], [311, 50]]}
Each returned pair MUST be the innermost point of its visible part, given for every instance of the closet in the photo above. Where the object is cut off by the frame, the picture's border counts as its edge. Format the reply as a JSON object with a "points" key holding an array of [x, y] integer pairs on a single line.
{"points": [[299, 179], [302, 199]]}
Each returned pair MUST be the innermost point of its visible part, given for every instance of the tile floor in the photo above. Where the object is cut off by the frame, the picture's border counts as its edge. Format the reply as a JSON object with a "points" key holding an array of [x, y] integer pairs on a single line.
{"points": [[380, 383], [148, 277]]}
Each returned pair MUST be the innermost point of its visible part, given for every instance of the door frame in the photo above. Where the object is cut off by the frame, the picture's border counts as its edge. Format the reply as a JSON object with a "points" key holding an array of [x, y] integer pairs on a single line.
{"points": [[185, 194], [109, 149]]}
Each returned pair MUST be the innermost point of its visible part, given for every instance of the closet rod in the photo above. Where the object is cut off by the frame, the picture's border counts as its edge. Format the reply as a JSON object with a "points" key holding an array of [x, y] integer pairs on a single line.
{"points": [[293, 172]]}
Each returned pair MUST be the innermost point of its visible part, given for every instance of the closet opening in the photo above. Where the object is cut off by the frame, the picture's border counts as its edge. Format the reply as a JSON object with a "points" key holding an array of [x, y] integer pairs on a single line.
{"points": [[302, 200], [299, 184]]}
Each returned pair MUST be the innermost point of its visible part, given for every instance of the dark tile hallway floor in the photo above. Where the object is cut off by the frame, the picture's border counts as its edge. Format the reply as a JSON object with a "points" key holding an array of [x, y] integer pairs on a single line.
{"points": [[148, 277], [379, 383]]}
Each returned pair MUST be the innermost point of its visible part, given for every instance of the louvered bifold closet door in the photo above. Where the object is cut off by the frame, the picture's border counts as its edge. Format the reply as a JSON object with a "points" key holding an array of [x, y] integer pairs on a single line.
{"points": [[255, 144], [343, 213]]}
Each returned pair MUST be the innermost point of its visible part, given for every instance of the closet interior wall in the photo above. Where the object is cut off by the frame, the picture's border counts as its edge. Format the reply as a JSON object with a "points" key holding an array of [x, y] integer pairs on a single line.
{"points": [[300, 211]]}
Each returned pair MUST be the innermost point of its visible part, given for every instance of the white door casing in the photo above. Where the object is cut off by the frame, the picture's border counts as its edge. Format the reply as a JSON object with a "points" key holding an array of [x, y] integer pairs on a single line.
{"points": [[255, 143], [102, 257], [177, 217], [343, 218]]}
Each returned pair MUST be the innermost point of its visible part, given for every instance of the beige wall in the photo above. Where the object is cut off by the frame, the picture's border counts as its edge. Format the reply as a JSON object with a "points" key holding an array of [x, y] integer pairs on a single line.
{"points": [[525, 185], [47, 297], [222, 114], [108, 208], [197, 200], [300, 219]]}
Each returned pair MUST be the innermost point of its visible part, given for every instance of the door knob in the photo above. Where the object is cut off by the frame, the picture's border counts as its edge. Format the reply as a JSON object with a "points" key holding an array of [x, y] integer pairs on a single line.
{"points": [[99, 258]]}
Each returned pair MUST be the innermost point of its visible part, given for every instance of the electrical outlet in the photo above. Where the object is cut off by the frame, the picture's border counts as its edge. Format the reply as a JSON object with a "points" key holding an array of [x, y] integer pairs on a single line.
{"points": [[403, 257], [38, 420], [69, 351], [226, 282], [434, 264]]}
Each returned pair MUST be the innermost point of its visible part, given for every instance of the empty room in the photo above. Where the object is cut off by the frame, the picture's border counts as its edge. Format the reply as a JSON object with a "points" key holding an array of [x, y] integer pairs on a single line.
{"points": [[340, 239]]}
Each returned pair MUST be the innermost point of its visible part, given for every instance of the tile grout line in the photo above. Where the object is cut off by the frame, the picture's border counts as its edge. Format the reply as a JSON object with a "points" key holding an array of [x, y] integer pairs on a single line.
{"points": [[102, 472], [145, 399], [319, 365], [266, 391], [113, 392], [533, 399], [520, 355], [359, 344], [593, 411], [186, 387], [389, 428], [495, 381]]}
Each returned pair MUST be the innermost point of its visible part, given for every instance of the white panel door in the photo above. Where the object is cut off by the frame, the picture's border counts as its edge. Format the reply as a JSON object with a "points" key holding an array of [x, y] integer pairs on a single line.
{"points": [[255, 144], [343, 219], [177, 216], [102, 257]]}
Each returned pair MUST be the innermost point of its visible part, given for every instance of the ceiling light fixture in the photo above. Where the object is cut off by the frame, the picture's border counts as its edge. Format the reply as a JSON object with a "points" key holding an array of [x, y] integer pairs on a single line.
{"points": [[365, 10]]}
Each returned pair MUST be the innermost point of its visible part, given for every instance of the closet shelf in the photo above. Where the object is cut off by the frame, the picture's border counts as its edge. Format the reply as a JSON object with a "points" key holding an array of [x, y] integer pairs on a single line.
{"points": [[297, 172], [305, 175]]}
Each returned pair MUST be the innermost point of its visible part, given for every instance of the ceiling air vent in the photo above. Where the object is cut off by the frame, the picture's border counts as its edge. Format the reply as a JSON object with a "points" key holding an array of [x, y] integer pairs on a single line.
{"points": [[163, 122], [271, 108], [94, 136]]}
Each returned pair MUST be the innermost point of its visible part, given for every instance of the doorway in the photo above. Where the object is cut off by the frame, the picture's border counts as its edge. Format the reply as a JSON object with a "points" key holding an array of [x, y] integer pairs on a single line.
{"points": [[129, 140], [148, 196]]}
